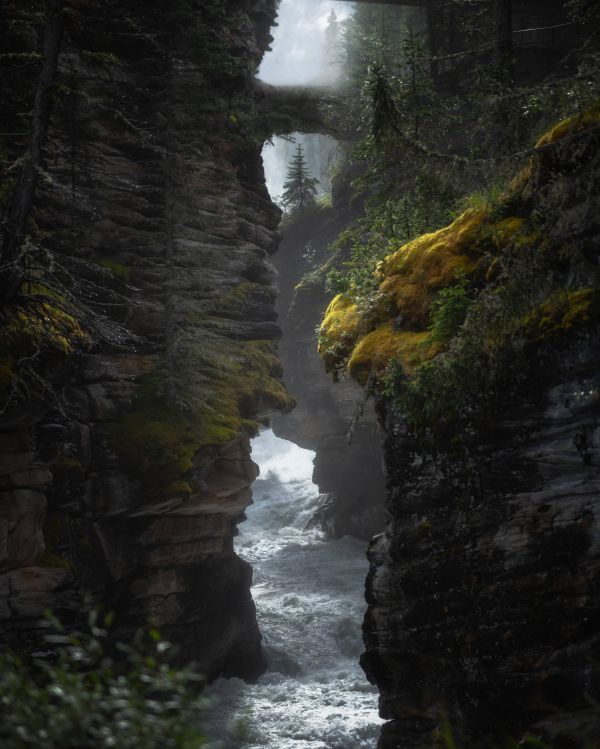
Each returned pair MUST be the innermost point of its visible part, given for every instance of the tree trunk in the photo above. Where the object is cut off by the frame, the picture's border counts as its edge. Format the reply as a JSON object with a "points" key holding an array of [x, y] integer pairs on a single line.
{"points": [[16, 225], [503, 41]]}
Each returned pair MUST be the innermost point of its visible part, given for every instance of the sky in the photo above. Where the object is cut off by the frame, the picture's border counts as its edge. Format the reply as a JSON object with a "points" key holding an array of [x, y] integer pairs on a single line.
{"points": [[297, 58]]}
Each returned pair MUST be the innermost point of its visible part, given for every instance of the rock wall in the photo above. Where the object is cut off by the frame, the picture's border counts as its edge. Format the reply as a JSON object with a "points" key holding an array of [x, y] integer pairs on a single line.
{"points": [[348, 464], [126, 487], [483, 590], [487, 610]]}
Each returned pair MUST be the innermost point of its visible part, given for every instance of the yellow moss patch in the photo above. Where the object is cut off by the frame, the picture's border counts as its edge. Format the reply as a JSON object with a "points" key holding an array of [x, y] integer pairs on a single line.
{"points": [[410, 280], [238, 294], [523, 185], [412, 274], [65, 468], [571, 126], [341, 317], [562, 311], [338, 331], [42, 328], [375, 351], [179, 489], [47, 326], [6, 374], [55, 561]]}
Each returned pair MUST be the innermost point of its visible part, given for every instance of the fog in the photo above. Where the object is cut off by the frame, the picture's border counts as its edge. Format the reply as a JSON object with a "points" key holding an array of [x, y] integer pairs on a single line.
{"points": [[299, 53], [299, 57]]}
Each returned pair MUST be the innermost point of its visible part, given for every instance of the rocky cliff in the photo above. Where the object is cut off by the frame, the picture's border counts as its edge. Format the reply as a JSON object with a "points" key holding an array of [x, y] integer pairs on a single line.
{"points": [[124, 452], [483, 590], [330, 418]]}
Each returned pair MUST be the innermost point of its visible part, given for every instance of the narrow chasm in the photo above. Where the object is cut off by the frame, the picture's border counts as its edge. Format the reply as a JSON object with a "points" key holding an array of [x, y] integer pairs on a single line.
{"points": [[299, 374], [308, 592]]}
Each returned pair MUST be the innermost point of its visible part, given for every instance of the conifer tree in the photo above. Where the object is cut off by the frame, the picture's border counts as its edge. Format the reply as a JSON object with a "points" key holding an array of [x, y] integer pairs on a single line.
{"points": [[332, 37], [300, 188]]}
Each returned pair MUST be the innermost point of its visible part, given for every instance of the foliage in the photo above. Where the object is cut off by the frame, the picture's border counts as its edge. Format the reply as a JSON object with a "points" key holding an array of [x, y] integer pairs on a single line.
{"points": [[300, 188], [419, 145], [92, 694], [465, 314], [449, 310]]}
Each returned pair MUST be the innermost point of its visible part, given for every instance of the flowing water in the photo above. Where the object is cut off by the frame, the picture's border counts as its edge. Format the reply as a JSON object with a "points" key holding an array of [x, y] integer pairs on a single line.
{"points": [[309, 598]]}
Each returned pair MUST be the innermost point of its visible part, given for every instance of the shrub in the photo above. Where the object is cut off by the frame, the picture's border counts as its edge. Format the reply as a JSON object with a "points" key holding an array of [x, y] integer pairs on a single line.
{"points": [[91, 694]]}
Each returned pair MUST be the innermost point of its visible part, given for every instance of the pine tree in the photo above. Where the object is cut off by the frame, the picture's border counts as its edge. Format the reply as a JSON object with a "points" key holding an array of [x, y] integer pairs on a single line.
{"points": [[300, 188], [332, 38]]}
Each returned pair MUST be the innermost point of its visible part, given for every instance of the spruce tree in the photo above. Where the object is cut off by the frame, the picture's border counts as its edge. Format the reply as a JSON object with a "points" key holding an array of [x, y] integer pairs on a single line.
{"points": [[300, 188]]}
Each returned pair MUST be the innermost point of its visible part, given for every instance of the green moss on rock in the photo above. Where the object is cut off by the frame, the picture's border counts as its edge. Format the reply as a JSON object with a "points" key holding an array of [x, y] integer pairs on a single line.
{"points": [[480, 245], [159, 444]]}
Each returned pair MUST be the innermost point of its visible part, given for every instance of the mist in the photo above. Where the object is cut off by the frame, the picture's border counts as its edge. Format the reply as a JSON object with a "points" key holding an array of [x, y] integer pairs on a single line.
{"points": [[298, 55]]}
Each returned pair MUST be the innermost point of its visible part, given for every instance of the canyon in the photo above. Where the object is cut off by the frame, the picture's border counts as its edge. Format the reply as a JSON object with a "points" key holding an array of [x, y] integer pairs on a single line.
{"points": [[174, 317]]}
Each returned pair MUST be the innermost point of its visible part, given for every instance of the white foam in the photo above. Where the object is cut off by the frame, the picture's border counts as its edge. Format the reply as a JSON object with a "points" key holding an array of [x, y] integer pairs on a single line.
{"points": [[309, 597]]}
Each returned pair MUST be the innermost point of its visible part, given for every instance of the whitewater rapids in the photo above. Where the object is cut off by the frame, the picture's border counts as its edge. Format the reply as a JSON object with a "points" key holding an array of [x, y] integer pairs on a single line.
{"points": [[309, 599]]}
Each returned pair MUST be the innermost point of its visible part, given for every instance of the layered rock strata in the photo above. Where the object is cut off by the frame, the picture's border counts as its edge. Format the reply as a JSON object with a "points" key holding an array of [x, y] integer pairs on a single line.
{"points": [[127, 486], [486, 610], [335, 420]]}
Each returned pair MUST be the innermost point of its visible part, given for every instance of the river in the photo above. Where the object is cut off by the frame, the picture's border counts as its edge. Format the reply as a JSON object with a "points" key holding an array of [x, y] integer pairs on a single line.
{"points": [[309, 597]]}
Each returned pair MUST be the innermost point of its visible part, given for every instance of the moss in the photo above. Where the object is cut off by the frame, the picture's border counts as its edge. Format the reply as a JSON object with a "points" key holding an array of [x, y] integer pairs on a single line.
{"points": [[56, 561], [179, 489], [52, 539], [118, 270], [42, 328], [238, 294], [561, 312], [524, 185], [7, 373], [413, 274], [338, 331], [377, 349], [412, 278], [64, 466], [158, 444], [47, 326], [571, 126]]}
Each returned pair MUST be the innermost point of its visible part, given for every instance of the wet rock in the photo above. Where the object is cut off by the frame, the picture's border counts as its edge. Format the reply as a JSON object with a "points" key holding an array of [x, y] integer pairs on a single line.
{"points": [[183, 244], [487, 608], [348, 464], [22, 514]]}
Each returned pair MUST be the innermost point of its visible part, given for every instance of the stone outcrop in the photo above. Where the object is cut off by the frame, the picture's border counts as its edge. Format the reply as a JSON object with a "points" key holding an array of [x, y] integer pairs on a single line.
{"points": [[486, 610], [330, 418], [483, 590], [127, 488]]}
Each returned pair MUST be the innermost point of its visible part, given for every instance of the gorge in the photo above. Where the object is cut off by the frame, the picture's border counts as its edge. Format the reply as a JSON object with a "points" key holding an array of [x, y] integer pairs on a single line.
{"points": [[426, 328]]}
